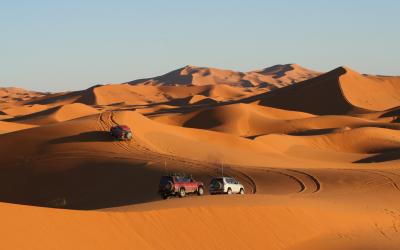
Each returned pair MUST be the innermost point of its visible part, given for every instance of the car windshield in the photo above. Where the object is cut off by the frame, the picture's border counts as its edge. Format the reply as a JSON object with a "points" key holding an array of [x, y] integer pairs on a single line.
{"points": [[182, 179], [165, 179]]}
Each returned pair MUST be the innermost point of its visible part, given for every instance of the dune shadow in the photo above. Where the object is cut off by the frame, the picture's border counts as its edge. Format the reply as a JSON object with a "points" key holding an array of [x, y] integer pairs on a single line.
{"points": [[89, 185], [390, 155], [91, 136], [311, 132]]}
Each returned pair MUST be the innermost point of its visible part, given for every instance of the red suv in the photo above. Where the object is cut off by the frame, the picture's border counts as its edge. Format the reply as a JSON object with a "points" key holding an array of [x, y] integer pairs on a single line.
{"points": [[179, 184], [121, 132]]}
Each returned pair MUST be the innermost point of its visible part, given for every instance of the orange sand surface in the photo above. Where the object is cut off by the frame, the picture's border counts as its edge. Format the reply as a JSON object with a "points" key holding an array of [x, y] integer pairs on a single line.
{"points": [[317, 153]]}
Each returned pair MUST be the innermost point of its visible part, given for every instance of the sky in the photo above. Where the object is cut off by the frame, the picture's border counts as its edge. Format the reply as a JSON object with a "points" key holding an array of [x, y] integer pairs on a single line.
{"points": [[51, 45]]}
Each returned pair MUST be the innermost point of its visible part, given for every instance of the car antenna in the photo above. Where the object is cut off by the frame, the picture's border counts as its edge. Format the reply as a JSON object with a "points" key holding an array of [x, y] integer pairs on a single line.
{"points": [[222, 168]]}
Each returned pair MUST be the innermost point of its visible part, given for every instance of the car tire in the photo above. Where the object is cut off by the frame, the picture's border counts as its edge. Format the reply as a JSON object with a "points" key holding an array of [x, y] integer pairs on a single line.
{"points": [[129, 136], [182, 192], [164, 196], [200, 191], [170, 185], [241, 191], [229, 191]]}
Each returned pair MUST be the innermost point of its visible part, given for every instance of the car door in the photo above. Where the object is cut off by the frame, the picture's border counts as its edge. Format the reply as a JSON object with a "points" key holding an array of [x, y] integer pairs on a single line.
{"points": [[193, 185], [235, 186], [188, 184], [230, 185]]}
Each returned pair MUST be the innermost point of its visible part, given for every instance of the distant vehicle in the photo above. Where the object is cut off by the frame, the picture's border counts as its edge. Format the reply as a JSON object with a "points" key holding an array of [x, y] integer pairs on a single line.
{"points": [[226, 185], [179, 185], [121, 132]]}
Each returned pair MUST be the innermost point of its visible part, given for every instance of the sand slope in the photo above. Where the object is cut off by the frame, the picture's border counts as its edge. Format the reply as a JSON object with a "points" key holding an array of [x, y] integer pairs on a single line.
{"points": [[341, 91], [250, 120], [273, 224], [57, 114], [7, 127]]}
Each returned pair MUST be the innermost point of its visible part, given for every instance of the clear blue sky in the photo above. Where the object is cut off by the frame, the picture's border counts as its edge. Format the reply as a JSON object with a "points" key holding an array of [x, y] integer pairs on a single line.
{"points": [[69, 45]]}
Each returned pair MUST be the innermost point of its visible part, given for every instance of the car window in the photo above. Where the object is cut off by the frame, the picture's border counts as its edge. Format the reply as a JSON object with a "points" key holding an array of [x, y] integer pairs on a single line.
{"points": [[215, 181], [182, 179], [165, 179]]}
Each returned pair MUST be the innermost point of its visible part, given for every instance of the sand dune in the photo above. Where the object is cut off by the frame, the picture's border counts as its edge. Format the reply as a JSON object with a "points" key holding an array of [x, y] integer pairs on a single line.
{"points": [[365, 140], [317, 155], [8, 127], [294, 226], [57, 114], [201, 99], [270, 78], [13, 94], [238, 119], [84, 145], [125, 94], [341, 91], [20, 110], [281, 75], [184, 83], [249, 120]]}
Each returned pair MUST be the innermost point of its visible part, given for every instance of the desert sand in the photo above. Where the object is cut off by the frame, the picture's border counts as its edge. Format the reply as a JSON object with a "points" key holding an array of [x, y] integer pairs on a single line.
{"points": [[318, 154]]}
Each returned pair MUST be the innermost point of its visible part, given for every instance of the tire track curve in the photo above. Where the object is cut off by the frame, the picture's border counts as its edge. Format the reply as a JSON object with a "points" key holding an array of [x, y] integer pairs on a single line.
{"points": [[245, 177], [294, 178], [384, 175], [314, 179]]}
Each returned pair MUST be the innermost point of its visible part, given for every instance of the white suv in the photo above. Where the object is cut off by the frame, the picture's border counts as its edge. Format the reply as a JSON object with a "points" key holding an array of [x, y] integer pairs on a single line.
{"points": [[225, 185]]}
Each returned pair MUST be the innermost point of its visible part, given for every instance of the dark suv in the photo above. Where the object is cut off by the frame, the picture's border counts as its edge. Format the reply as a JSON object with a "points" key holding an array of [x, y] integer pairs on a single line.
{"points": [[121, 132], [180, 185]]}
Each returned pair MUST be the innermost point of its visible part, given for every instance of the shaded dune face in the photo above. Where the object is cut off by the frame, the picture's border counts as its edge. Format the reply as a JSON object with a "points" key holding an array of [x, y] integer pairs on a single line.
{"points": [[341, 91]]}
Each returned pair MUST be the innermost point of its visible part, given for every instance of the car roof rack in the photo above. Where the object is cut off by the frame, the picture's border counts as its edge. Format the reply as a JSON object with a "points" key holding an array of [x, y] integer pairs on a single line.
{"points": [[179, 175]]}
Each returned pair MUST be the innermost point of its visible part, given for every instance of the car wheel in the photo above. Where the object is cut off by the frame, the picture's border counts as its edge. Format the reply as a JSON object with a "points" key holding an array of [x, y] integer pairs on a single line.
{"points": [[229, 191], [241, 191], [182, 192], [200, 191], [129, 136], [164, 196], [169, 186]]}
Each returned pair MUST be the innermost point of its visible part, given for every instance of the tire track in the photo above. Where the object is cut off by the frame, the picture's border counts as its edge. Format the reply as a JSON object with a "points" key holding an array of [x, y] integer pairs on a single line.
{"points": [[244, 176], [106, 121], [127, 145], [383, 174], [309, 176], [294, 178]]}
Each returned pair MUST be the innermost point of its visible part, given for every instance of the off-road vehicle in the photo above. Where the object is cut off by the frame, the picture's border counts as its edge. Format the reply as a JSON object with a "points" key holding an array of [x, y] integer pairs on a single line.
{"points": [[121, 132], [179, 185], [225, 185]]}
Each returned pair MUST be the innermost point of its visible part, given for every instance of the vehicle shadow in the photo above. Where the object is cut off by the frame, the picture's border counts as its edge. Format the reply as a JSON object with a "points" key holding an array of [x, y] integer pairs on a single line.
{"points": [[91, 136]]}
